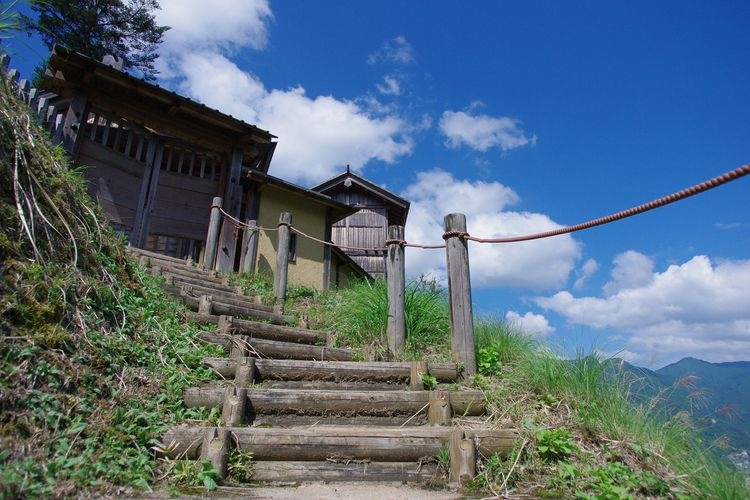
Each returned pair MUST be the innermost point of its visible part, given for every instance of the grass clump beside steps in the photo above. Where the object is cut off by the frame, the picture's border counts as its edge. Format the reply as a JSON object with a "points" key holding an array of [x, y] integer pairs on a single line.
{"points": [[358, 315]]}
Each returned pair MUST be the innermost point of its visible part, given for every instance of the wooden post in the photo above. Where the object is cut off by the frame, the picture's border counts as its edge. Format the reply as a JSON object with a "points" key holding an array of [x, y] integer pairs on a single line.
{"points": [[463, 456], [418, 368], [395, 275], [149, 183], [75, 117], [214, 449], [282, 257], [244, 373], [249, 248], [233, 409], [212, 238], [225, 324], [439, 412], [240, 347], [459, 293], [204, 306], [233, 197]]}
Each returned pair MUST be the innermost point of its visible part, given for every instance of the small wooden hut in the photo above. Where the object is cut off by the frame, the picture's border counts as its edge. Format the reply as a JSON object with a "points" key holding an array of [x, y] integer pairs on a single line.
{"points": [[377, 208]]}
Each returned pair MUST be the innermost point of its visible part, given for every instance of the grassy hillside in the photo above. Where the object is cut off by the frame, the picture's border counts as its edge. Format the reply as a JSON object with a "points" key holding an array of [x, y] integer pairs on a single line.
{"points": [[94, 358]]}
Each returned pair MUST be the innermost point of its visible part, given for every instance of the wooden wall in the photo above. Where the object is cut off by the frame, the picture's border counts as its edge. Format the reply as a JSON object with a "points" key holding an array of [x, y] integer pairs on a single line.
{"points": [[365, 229]]}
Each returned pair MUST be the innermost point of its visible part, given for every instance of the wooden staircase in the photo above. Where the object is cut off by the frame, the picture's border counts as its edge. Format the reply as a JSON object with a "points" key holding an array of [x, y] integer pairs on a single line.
{"points": [[311, 412]]}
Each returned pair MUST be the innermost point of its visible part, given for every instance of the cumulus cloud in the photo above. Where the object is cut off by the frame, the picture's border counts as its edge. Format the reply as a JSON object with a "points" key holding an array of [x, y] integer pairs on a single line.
{"points": [[317, 135], [537, 265], [534, 324], [397, 50], [483, 132], [696, 308], [631, 270]]}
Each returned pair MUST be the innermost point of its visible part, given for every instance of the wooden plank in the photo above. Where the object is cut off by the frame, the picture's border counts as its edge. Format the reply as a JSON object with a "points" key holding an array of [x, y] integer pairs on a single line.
{"points": [[459, 293], [74, 120], [319, 443], [328, 402], [334, 371], [233, 198], [283, 350], [137, 235], [346, 470]]}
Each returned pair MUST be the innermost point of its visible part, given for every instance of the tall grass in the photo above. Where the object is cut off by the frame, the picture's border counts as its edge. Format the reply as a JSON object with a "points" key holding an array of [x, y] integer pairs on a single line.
{"points": [[359, 316], [597, 393]]}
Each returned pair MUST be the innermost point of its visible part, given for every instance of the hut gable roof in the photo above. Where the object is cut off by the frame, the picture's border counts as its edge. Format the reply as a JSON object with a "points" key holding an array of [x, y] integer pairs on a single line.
{"points": [[398, 207]]}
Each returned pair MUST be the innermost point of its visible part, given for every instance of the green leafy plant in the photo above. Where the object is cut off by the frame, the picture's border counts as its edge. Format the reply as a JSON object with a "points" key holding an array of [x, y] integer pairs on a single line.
{"points": [[194, 473], [555, 444], [488, 360], [430, 382], [240, 465]]}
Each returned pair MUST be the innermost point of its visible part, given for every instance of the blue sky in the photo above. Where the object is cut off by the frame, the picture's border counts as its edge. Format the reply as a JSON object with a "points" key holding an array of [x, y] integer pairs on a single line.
{"points": [[526, 116]]}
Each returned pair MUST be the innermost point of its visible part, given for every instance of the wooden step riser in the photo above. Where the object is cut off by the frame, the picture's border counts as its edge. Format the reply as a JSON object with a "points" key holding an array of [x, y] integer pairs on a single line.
{"points": [[407, 444], [245, 304], [319, 402], [219, 308], [189, 272], [281, 421], [272, 369], [324, 385], [265, 330], [206, 284], [261, 348], [138, 252], [347, 470], [219, 294]]}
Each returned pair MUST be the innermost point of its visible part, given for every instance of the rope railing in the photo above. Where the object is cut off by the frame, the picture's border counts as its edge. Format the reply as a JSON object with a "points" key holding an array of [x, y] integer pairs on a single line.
{"points": [[639, 209]]}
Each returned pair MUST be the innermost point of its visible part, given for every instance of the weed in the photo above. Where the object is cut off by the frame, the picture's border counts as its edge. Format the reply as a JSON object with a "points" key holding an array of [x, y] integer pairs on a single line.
{"points": [[488, 360], [555, 444], [240, 465], [430, 383]]}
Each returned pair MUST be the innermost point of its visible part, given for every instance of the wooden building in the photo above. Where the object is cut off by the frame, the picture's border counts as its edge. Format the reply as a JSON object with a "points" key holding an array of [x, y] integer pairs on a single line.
{"points": [[155, 160], [377, 208]]}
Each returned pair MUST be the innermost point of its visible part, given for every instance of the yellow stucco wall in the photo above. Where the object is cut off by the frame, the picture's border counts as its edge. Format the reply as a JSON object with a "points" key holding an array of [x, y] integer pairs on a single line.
{"points": [[310, 218]]}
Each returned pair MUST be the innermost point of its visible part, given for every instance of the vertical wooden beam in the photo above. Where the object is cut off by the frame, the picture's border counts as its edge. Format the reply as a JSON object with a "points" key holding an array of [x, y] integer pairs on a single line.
{"points": [[233, 203], [440, 411], [233, 408], [327, 253], [418, 368], [459, 293], [149, 184], [212, 238], [205, 305], [463, 456], [215, 449], [282, 257], [244, 374], [249, 247], [74, 119], [395, 277]]}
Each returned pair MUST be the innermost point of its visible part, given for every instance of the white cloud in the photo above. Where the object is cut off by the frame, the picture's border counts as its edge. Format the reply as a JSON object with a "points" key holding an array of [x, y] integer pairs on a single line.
{"points": [[398, 50], [317, 135], [535, 324], [697, 308], [585, 272], [632, 270], [483, 132], [390, 86], [538, 265]]}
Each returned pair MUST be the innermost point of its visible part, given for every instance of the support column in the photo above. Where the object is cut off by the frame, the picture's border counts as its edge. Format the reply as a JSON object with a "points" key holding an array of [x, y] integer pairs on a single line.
{"points": [[212, 238], [233, 198], [395, 277], [282, 258], [459, 293]]}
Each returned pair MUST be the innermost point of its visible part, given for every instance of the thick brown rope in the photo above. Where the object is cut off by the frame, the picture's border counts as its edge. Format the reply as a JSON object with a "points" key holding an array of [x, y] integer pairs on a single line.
{"points": [[660, 202], [651, 205]]}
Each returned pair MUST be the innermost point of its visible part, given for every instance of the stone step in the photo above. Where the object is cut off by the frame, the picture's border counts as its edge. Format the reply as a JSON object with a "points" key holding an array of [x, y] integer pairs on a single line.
{"points": [[398, 372], [262, 348]]}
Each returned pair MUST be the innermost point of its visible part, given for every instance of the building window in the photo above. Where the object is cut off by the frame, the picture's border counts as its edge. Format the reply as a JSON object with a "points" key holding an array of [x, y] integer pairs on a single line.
{"points": [[293, 247]]}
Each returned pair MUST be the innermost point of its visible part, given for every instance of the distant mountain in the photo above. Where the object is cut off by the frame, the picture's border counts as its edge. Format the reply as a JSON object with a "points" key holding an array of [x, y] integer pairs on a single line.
{"points": [[717, 395]]}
